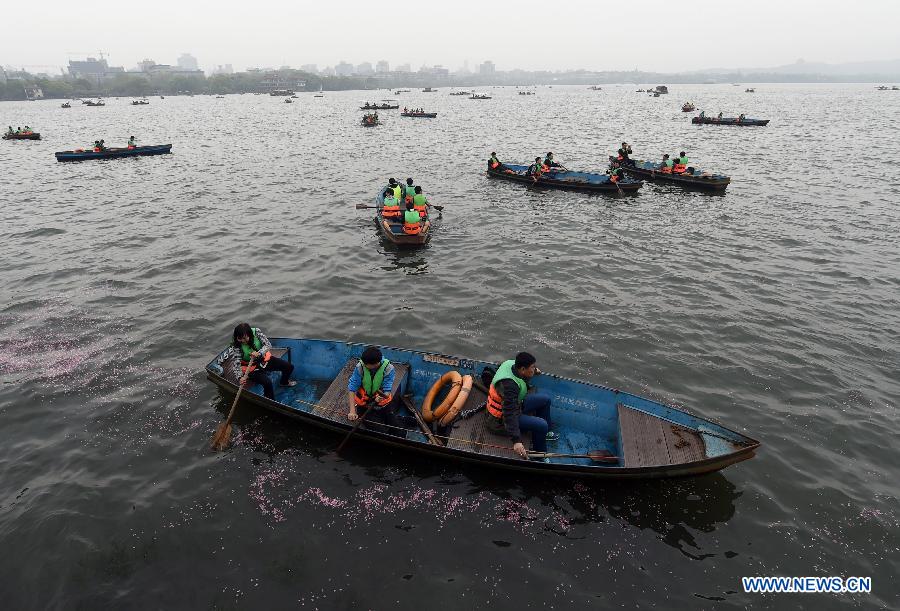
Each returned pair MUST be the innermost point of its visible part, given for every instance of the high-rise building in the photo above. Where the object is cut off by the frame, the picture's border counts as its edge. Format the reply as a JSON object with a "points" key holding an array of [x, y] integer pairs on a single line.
{"points": [[487, 67], [187, 62], [311, 68], [382, 66], [365, 69], [403, 68], [343, 69]]}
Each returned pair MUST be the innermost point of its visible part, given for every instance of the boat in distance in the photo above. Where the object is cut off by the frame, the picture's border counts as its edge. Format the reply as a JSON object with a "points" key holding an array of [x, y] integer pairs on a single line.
{"points": [[557, 179], [111, 153], [745, 122], [603, 432]]}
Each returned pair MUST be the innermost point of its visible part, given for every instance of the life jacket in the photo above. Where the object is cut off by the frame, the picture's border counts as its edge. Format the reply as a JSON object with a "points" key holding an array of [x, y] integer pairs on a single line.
{"points": [[545, 168], [246, 350], [398, 192], [409, 192], [683, 160], [411, 222], [391, 208], [495, 400], [371, 384], [493, 163], [679, 168], [419, 204], [614, 178], [666, 169]]}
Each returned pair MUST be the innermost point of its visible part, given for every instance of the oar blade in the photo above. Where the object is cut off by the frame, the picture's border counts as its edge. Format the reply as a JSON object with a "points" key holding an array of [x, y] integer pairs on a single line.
{"points": [[222, 437]]}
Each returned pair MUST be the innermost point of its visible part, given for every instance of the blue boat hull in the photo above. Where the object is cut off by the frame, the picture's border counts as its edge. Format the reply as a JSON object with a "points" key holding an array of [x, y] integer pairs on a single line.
{"points": [[160, 149], [647, 439], [697, 180], [578, 181]]}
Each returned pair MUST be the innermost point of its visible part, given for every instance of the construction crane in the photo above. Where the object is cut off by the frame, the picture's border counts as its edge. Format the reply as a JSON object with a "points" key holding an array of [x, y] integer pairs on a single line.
{"points": [[87, 53]]}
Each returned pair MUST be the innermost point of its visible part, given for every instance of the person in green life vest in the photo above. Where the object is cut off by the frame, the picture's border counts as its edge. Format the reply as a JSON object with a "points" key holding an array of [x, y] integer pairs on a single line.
{"points": [[370, 391], [18, 129], [667, 164], [412, 220], [409, 191], [420, 202], [517, 410], [250, 350], [682, 158], [27, 130], [535, 169], [131, 143], [494, 162], [397, 189], [390, 209]]}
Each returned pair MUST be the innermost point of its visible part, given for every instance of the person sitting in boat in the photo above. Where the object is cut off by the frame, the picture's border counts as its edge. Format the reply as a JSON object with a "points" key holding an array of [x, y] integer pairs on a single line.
{"points": [[391, 208], [27, 129], [623, 154], [397, 188], [494, 162], [535, 169], [666, 165], [371, 386], [250, 348], [740, 118], [97, 147], [409, 191], [550, 163], [412, 220], [405, 111], [131, 143], [720, 116], [702, 114], [18, 129], [420, 202], [615, 174], [514, 410]]}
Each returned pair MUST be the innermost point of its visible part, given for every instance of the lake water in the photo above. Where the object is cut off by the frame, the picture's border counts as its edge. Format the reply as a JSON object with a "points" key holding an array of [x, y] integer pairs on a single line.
{"points": [[772, 308]]}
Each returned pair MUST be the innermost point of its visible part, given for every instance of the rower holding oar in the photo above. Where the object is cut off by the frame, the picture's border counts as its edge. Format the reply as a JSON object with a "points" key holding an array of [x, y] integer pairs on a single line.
{"points": [[370, 387], [551, 164], [514, 410], [250, 350]]}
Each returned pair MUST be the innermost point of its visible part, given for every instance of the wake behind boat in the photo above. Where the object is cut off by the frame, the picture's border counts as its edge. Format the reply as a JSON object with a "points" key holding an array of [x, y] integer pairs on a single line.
{"points": [[603, 432], [559, 179], [109, 153]]}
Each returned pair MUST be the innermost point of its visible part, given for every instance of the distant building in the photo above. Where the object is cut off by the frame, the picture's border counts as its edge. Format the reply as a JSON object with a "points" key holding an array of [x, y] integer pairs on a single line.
{"points": [[223, 69], [148, 67], [93, 69], [311, 68], [343, 69], [403, 68], [328, 71], [382, 66], [365, 69], [187, 62], [487, 67]]}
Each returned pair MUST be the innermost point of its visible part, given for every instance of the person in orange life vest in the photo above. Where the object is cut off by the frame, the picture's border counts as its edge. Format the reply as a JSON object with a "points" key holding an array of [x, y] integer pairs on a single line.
{"points": [[494, 163], [420, 202], [412, 220], [371, 385], [511, 404], [680, 164], [391, 209], [615, 175], [666, 166], [549, 162], [409, 191], [131, 143], [250, 350], [623, 154]]}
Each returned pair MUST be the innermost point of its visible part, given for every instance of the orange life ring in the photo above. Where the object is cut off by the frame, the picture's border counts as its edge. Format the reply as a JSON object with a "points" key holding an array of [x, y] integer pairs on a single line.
{"points": [[455, 381], [458, 402]]}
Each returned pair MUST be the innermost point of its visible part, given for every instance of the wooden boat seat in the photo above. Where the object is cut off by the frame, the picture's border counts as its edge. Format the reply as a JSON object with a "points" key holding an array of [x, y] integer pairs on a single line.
{"points": [[333, 404], [648, 441], [478, 429]]}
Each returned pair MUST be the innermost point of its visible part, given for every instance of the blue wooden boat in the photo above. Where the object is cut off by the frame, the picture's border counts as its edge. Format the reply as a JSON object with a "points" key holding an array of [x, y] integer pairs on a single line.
{"points": [[419, 115], [640, 437], [156, 149], [582, 181], [693, 178], [393, 230], [745, 122]]}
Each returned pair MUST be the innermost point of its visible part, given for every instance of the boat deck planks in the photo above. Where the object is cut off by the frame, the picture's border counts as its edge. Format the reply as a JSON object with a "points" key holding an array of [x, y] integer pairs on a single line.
{"points": [[649, 441], [477, 429], [333, 404]]}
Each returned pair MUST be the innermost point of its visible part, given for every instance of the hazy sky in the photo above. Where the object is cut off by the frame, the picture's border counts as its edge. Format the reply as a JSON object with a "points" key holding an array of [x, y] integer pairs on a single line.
{"points": [[649, 35]]}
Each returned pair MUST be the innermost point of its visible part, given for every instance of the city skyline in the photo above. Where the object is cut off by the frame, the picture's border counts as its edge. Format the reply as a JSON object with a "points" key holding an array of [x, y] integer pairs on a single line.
{"points": [[525, 38]]}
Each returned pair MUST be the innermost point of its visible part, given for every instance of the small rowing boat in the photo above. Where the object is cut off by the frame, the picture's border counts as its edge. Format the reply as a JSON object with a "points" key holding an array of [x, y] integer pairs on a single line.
{"points": [[110, 153], [22, 136], [479, 97], [392, 230], [692, 178], [688, 107], [745, 122], [604, 433], [559, 179], [380, 107], [420, 115]]}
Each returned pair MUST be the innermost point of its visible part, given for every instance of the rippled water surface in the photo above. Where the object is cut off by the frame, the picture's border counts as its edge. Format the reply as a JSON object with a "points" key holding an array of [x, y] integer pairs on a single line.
{"points": [[772, 309]]}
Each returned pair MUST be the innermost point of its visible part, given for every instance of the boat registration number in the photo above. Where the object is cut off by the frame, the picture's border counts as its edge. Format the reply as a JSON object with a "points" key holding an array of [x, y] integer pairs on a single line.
{"points": [[450, 362]]}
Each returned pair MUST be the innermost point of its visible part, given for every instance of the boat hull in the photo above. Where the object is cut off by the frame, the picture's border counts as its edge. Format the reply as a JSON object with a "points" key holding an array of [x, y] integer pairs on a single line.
{"points": [[140, 151], [729, 121], [575, 181], [31, 136], [318, 361], [419, 115], [644, 169], [393, 232]]}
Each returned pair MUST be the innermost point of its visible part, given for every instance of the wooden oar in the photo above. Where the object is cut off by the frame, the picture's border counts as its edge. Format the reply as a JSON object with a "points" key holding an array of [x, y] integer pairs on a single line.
{"points": [[222, 437], [596, 456], [355, 426]]}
